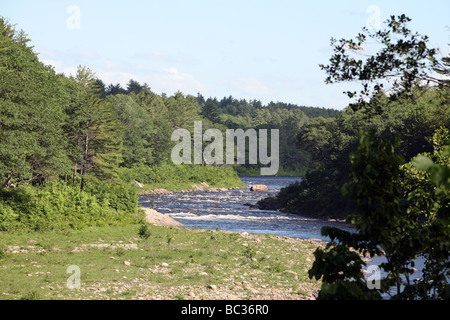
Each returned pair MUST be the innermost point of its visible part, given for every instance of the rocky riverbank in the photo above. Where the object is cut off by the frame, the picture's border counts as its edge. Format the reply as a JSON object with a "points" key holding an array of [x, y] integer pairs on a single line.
{"points": [[201, 187]]}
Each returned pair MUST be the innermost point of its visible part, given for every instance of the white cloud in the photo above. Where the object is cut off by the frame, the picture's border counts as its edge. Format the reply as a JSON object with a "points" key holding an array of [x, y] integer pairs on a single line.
{"points": [[109, 74], [59, 67], [114, 77], [252, 86], [44, 52], [170, 80]]}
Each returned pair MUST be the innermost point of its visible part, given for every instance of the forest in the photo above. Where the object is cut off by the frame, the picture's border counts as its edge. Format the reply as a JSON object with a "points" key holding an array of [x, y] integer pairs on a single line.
{"points": [[71, 144]]}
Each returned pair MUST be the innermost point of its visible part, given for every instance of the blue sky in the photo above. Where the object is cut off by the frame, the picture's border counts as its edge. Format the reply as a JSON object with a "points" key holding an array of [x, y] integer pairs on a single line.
{"points": [[266, 50]]}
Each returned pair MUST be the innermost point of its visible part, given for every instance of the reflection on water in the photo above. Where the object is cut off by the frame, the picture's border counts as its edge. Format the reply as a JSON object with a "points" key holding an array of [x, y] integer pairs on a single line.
{"points": [[230, 210]]}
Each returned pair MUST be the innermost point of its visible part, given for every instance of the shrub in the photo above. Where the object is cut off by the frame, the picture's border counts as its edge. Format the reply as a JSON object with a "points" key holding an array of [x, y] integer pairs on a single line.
{"points": [[117, 196], [144, 232], [60, 207]]}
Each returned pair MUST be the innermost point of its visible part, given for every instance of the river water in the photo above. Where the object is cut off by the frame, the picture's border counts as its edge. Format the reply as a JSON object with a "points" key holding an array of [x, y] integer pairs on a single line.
{"points": [[230, 211]]}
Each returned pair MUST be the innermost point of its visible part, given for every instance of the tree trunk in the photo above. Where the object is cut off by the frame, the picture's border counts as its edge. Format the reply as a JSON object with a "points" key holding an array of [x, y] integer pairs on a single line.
{"points": [[75, 174], [85, 161]]}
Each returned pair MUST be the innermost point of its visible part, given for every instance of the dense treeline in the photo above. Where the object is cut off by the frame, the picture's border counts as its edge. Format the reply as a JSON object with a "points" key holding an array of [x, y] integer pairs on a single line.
{"points": [[231, 113], [288, 118], [330, 142]]}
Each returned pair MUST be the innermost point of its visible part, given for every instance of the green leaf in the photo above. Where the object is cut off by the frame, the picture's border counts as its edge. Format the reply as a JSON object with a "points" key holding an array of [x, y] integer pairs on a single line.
{"points": [[422, 163]]}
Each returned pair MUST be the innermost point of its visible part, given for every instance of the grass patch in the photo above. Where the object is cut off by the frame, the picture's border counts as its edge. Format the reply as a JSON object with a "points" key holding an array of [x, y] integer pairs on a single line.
{"points": [[116, 262], [182, 177]]}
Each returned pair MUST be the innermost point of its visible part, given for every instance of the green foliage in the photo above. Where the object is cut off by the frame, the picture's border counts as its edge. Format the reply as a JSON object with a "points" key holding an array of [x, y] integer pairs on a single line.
{"points": [[330, 142], [388, 224], [287, 121], [404, 58], [288, 118], [427, 181], [317, 194], [414, 113], [346, 284], [155, 125], [32, 143], [138, 130], [144, 231], [61, 207], [93, 130], [118, 196]]}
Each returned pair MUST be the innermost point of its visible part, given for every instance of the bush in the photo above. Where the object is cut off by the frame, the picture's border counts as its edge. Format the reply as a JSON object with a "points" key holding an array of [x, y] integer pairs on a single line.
{"points": [[117, 196], [144, 232], [61, 207]]}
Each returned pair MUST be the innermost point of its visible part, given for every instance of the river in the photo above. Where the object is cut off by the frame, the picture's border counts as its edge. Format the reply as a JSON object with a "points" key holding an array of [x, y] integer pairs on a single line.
{"points": [[230, 210]]}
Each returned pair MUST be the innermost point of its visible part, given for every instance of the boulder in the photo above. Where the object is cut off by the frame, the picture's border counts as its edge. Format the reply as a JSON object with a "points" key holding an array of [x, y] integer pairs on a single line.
{"points": [[158, 219], [258, 187]]}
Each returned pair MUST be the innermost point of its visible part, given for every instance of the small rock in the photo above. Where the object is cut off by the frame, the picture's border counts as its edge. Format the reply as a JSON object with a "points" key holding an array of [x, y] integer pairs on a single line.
{"points": [[212, 287], [140, 185], [31, 241], [164, 264], [127, 263], [202, 273], [160, 191]]}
